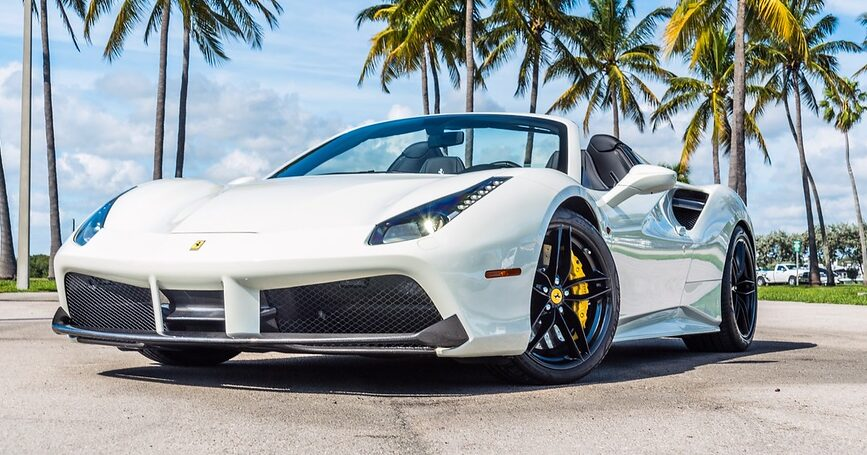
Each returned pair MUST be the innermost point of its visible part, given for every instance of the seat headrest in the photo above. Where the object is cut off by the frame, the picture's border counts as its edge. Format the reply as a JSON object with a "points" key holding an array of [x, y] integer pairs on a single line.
{"points": [[417, 150], [603, 143], [553, 160], [443, 165]]}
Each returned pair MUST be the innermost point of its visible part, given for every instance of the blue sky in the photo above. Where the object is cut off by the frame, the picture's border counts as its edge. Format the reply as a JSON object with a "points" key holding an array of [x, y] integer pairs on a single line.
{"points": [[261, 108]]}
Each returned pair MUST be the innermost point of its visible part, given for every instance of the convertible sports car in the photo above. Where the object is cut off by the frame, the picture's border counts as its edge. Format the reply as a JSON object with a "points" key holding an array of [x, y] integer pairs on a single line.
{"points": [[459, 235]]}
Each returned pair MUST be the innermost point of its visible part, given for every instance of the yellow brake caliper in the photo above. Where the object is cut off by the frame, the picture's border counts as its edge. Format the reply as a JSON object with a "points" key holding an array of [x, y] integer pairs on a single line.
{"points": [[575, 273]]}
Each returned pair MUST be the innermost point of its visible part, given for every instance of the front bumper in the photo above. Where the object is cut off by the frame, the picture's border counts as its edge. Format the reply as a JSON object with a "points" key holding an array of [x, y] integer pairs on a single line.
{"points": [[446, 333], [450, 268]]}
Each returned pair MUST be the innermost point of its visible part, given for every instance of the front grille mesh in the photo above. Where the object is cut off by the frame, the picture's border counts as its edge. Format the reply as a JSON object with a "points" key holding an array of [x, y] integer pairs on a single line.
{"points": [[385, 304], [95, 303]]}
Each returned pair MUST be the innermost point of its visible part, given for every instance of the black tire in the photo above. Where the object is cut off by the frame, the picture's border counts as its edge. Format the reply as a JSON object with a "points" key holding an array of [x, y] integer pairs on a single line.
{"points": [[739, 301], [761, 281], [585, 349], [793, 281], [189, 357]]}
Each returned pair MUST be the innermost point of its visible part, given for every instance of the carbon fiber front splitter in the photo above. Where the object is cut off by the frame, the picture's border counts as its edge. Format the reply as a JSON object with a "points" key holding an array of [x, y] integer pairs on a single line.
{"points": [[448, 333]]}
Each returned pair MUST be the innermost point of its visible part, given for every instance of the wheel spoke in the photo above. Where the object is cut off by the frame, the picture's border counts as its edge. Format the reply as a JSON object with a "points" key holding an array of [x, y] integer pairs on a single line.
{"points": [[573, 319], [745, 287], [537, 288], [547, 279], [740, 261], [541, 326], [741, 313], [567, 334], [582, 297], [594, 276], [563, 259]]}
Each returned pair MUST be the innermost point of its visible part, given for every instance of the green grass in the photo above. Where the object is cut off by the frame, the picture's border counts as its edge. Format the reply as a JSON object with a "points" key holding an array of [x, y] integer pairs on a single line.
{"points": [[36, 285], [846, 294]]}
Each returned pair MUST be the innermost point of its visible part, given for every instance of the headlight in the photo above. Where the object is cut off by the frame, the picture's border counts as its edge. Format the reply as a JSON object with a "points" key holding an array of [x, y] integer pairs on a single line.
{"points": [[95, 223], [431, 217]]}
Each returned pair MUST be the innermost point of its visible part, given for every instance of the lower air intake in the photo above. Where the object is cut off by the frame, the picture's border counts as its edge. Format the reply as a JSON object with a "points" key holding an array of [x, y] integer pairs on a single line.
{"points": [[98, 304], [386, 304]]}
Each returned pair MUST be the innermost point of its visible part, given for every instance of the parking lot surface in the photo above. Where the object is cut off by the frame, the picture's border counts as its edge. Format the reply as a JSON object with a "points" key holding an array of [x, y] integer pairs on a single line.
{"points": [[801, 388]]}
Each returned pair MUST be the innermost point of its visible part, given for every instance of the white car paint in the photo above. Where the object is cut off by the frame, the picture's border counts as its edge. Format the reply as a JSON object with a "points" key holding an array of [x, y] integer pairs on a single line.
{"points": [[276, 233]]}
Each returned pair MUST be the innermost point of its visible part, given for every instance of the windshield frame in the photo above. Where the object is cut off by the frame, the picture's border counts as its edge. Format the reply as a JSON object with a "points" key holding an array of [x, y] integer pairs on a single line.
{"points": [[356, 136]]}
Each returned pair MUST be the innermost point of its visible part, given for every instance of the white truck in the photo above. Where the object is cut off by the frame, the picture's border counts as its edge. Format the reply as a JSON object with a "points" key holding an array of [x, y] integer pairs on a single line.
{"points": [[780, 273]]}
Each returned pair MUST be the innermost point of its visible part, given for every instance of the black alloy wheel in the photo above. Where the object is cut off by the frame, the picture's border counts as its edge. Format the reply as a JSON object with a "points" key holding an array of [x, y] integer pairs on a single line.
{"points": [[739, 301], [574, 305]]}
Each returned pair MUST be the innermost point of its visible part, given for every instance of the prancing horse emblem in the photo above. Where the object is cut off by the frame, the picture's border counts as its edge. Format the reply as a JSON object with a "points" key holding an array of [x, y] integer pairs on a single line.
{"points": [[198, 245]]}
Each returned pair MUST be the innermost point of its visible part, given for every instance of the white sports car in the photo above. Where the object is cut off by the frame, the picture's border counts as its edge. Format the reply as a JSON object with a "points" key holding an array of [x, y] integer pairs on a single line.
{"points": [[458, 235]]}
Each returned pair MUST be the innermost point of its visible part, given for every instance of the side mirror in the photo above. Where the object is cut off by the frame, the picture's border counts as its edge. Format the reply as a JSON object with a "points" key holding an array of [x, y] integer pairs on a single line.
{"points": [[641, 179]]}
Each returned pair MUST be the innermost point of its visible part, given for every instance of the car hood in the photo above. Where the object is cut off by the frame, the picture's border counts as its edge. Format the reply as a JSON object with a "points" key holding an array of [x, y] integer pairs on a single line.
{"points": [[315, 202]]}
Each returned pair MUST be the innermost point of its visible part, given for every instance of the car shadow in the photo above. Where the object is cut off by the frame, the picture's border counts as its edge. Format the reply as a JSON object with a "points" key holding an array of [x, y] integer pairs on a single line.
{"points": [[432, 377]]}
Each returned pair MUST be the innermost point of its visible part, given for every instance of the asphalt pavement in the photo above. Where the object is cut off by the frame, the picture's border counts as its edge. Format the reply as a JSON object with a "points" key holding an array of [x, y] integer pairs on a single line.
{"points": [[801, 388]]}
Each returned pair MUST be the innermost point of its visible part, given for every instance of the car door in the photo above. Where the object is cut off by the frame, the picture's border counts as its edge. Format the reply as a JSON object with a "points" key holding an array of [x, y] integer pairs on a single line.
{"points": [[649, 248], [781, 274]]}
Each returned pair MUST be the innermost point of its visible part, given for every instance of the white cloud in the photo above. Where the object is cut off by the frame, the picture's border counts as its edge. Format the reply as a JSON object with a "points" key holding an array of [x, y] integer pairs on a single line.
{"points": [[398, 111], [238, 164], [92, 173]]}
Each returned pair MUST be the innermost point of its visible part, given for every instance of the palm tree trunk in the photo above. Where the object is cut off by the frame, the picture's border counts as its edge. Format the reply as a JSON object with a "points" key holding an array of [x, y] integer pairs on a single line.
{"points": [[7, 253], [424, 94], [615, 112], [797, 131], [436, 77], [714, 141], [160, 128], [471, 79], [534, 97], [826, 251], [53, 206], [858, 218], [182, 109], [737, 160], [470, 55]]}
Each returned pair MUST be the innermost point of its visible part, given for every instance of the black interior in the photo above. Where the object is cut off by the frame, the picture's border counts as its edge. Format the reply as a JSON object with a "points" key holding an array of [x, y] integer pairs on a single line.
{"points": [[605, 162], [413, 158], [443, 165]]}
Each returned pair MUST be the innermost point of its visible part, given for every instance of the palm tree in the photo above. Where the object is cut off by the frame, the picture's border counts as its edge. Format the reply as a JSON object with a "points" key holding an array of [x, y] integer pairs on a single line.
{"points": [[206, 22], [845, 107], [611, 62], [791, 71], [532, 25], [383, 45], [7, 253], [129, 15], [469, 58], [682, 35], [711, 91], [826, 248], [417, 36], [77, 6], [437, 31]]}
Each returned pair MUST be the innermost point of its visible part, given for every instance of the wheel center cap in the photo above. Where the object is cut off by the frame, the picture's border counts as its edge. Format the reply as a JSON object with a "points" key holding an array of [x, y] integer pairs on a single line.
{"points": [[556, 296]]}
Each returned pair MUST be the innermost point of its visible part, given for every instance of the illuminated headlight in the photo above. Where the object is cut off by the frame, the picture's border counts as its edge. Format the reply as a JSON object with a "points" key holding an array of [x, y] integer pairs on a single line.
{"points": [[95, 223], [431, 217]]}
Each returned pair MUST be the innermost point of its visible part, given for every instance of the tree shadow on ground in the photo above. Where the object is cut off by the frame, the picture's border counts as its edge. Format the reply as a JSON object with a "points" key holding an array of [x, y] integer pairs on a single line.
{"points": [[433, 377]]}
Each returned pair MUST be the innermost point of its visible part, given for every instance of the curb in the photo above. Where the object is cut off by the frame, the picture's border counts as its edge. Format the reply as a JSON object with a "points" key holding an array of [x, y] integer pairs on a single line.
{"points": [[28, 297]]}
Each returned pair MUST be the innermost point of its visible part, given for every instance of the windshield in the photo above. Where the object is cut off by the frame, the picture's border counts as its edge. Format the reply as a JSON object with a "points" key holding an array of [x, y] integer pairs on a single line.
{"points": [[791, 267], [442, 144]]}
